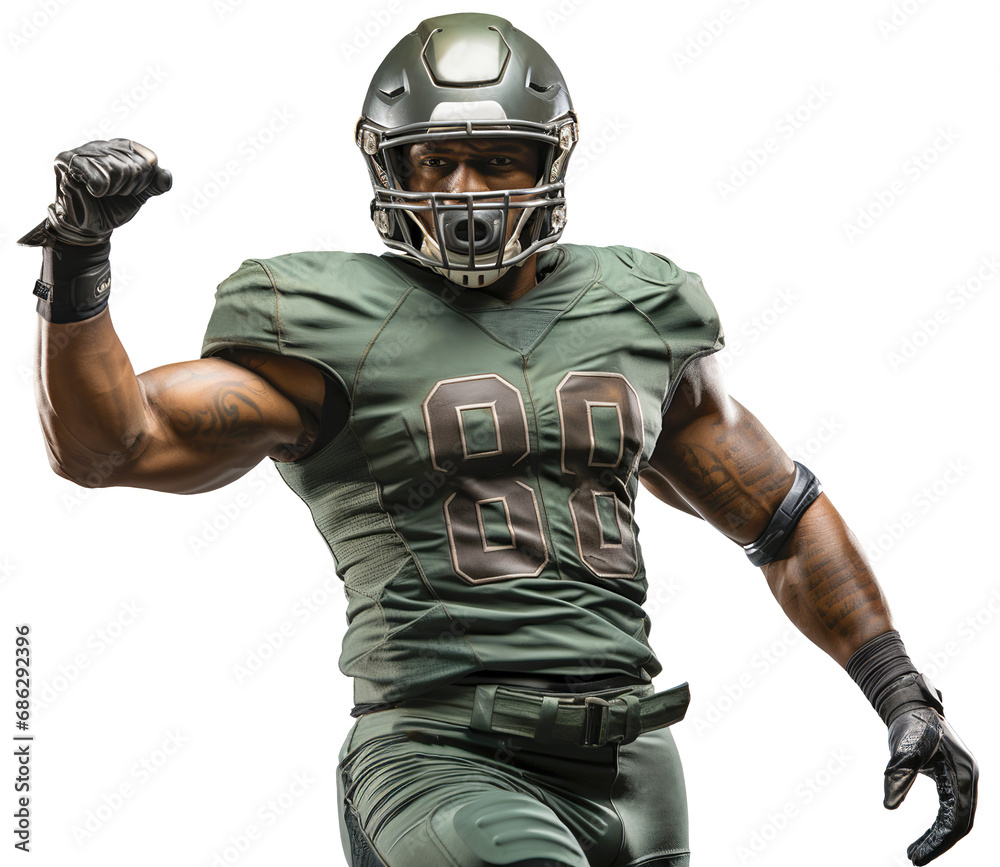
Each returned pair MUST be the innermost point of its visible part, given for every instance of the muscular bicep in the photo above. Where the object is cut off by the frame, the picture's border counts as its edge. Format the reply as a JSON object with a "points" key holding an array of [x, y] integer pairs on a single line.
{"points": [[718, 458], [210, 421]]}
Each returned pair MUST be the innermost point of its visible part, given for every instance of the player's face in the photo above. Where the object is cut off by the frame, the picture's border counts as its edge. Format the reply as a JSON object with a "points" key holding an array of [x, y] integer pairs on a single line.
{"points": [[472, 166]]}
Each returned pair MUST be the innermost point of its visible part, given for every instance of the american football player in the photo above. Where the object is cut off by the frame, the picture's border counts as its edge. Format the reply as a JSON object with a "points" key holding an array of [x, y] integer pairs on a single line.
{"points": [[470, 447]]}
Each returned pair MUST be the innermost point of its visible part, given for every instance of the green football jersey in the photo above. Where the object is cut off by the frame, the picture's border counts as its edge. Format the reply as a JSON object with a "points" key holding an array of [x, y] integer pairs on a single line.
{"points": [[479, 500]]}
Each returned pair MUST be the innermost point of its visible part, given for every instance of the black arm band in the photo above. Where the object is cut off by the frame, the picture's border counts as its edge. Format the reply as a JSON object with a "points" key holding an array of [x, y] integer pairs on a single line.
{"points": [[75, 283], [888, 678], [805, 488]]}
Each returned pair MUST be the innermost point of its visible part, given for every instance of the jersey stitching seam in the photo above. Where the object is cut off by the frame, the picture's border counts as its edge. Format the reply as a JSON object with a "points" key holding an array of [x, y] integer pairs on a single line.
{"points": [[281, 351], [538, 481], [378, 485], [672, 386], [375, 337], [277, 311], [595, 278], [350, 425], [399, 630], [680, 375], [591, 282], [467, 316], [642, 313]]}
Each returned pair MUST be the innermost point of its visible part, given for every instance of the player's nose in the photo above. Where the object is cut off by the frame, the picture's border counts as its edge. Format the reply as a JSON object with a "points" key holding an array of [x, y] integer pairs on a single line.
{"points": [[466, 179]]}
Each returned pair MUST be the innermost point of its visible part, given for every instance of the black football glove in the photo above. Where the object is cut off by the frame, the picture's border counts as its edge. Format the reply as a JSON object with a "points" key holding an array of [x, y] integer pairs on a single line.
{"points": [[99, 187], [921, 741]]}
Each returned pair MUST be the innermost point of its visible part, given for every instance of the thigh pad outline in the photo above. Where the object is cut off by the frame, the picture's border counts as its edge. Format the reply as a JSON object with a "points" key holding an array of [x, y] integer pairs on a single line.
{"points": [[506, 828]]}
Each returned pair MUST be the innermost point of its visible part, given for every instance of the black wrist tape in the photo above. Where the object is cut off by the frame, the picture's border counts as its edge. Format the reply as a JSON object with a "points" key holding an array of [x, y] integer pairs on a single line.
{"points": [[75, 282], [888, 678]]}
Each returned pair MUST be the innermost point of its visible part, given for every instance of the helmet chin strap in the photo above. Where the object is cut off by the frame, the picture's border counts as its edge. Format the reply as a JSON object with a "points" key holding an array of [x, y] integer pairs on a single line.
{"points": [[465, 277]]}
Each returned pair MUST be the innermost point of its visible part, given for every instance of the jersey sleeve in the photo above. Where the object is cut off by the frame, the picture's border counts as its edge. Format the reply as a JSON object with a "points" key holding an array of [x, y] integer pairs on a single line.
{"points": [[245, 313], [254, 309], [249, 314], [678, 307]]}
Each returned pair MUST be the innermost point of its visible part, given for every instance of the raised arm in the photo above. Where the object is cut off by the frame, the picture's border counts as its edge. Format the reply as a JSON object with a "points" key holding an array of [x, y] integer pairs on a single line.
{"points": [[182, 428], [717, 459]]}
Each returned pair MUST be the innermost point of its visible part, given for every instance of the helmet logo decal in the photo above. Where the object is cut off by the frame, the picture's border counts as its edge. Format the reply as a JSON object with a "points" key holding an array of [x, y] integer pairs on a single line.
{"points": [[481, 109]]}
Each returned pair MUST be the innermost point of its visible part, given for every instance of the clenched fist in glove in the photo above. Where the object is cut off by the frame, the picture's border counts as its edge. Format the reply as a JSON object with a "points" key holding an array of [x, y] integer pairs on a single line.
{"points": [[99, 187]]}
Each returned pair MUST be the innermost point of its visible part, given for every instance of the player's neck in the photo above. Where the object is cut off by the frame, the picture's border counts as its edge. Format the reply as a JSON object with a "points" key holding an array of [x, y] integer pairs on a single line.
{"points": [[515, 283]]}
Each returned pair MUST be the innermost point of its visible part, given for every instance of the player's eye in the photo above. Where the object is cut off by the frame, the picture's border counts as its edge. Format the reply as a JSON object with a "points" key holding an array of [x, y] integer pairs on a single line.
{"points": [[433, 162], [500, 161]]}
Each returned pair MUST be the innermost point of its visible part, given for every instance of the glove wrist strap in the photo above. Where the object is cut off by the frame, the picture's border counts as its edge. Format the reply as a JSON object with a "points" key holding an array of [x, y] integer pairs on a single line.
{"points": [[888, 678], [75, 282], [909, 692]]}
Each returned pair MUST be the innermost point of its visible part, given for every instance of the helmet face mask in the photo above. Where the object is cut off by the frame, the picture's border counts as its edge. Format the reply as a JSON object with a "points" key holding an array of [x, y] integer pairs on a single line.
{"points": [[461, 78]]}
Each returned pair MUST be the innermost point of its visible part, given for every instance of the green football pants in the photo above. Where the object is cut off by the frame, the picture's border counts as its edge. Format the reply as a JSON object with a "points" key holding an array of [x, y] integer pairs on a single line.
{"points": [[419, 788]]}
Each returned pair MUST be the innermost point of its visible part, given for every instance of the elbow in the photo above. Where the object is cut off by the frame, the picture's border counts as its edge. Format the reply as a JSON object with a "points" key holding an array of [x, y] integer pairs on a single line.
{"points": [[96, 475], [90, 471], [61, 471], [103, 462]]}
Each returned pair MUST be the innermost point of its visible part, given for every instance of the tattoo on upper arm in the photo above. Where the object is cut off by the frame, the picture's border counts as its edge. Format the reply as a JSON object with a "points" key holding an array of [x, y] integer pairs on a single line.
{"points": [[231, 417], [734, 473]]}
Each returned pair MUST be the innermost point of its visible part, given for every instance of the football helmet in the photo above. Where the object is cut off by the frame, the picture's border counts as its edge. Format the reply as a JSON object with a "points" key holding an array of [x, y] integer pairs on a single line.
{"points": [[467, 76]]}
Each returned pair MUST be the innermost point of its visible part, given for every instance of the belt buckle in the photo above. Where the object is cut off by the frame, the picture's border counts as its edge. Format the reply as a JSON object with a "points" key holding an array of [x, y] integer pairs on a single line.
{"points": [[596, 719]]}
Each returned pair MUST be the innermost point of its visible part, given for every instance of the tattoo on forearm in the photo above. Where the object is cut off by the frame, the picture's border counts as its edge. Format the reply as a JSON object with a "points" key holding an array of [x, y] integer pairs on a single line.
{"points": [[837, 583], [825, 586]]}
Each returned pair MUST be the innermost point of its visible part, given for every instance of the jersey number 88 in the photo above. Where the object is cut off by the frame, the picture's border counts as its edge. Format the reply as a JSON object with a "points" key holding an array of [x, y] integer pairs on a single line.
{"points": [[493, 519]]}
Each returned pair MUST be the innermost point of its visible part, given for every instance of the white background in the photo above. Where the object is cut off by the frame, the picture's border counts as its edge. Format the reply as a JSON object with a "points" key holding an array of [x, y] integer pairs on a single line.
{"points": [[673, 100]]}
